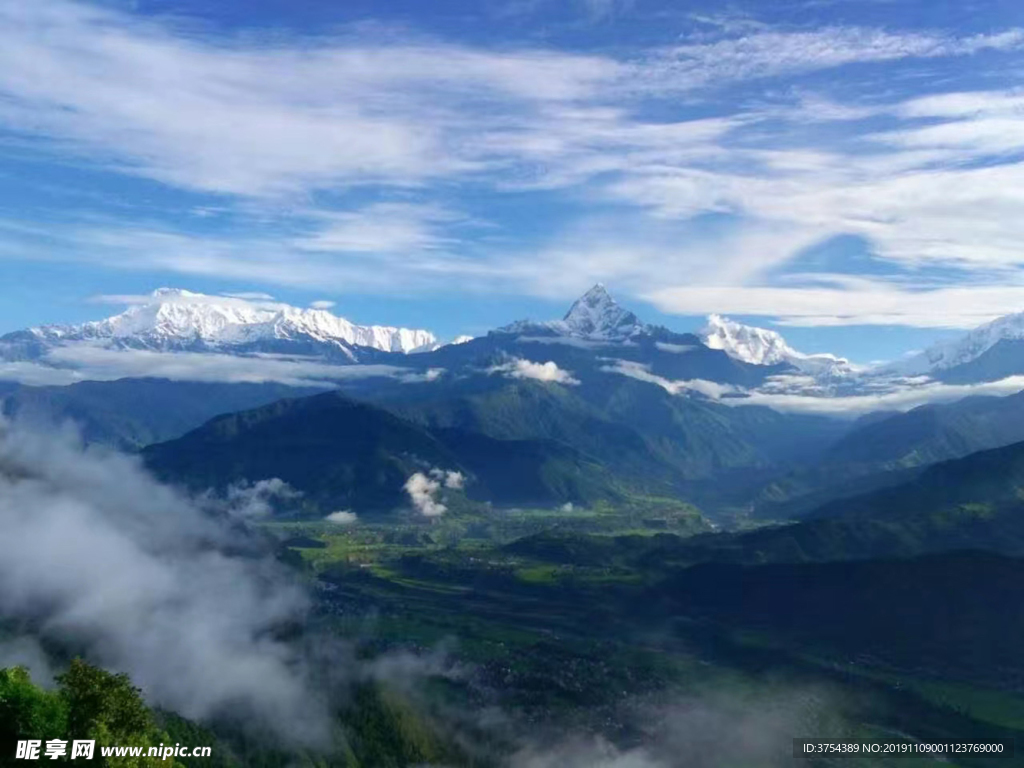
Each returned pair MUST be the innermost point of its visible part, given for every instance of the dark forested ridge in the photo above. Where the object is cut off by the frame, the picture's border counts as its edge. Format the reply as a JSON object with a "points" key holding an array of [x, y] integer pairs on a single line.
{"points": [[132, 413], [343, 453]]}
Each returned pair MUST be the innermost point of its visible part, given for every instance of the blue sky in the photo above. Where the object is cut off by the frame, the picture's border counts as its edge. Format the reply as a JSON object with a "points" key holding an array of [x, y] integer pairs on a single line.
{"points": [[848, 172]]}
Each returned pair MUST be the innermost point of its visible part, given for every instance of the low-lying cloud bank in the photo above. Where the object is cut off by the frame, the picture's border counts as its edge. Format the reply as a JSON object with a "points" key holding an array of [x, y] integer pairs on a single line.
{"points": [[81, 362], [97, 555], [800, 394], [903, 395]]}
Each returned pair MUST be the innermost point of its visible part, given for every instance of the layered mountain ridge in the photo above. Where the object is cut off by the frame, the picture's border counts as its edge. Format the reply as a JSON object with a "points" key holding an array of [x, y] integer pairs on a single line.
{"points": [[723, 352]]}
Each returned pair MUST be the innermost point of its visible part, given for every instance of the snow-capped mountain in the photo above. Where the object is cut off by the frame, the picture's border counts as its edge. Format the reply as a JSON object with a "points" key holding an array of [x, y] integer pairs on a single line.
{"points": [[176, 319], [761, 346], [595, 315], [964, 350], [433, 347]]}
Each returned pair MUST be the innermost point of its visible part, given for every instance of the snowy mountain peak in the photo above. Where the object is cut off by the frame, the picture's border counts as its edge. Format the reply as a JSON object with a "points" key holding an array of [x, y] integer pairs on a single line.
{"points": [[761, 346], [174, 318], [596, 314], [964, 349]]}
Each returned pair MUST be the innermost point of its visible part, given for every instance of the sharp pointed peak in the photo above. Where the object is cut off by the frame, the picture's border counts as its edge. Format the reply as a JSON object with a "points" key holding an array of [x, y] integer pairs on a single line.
{"points": [[596, 296], [596, 313], [597, 289]]}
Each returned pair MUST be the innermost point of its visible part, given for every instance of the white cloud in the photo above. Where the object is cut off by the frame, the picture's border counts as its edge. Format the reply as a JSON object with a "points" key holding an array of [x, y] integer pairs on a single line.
{"points": [[861, 302], [450, 478], [188, 298], [250, 296], [379, 228], [264, 118], [902, 397], [38, 375], [424, 488], [248, 500], [803, 394], [678, 349], [642, 372], [421, 490], [68, 364], [342, 517], [518, 368], [141, 580], [255, 120], [767, 53], [321, 304]]}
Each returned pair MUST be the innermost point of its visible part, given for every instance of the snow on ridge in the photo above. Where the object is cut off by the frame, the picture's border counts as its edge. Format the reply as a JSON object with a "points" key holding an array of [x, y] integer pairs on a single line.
{"points": [[761, 346], [966, 348], [173, 317], [595, 315]]}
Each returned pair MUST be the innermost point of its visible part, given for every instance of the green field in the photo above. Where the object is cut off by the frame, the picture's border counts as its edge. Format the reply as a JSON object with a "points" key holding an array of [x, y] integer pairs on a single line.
{"points": [[567, 634]]}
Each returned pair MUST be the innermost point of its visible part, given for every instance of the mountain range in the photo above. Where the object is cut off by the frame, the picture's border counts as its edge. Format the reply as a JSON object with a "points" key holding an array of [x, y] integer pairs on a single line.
{"points": [[273, 339], [598, 405], [992, 350], [344, 454]]}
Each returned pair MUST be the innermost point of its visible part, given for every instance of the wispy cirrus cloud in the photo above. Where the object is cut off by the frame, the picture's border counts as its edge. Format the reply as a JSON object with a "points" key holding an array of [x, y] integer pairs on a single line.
{"points": [[253, 119], [767, 53], [698, 196]]}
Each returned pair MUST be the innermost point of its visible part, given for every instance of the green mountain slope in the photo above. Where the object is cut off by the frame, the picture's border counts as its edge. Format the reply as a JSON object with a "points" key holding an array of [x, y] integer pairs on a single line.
{"points": [[952, 615], [886, 450], [973, 502], [345, 454], [664, 443], [933, 433]]}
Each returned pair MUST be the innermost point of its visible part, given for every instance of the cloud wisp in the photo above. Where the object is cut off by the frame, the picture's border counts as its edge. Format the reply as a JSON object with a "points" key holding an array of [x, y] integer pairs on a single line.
{"points": [[81, 362], [387, 122], [518, 368], [99, 556], [424, 490], [803, 394]]}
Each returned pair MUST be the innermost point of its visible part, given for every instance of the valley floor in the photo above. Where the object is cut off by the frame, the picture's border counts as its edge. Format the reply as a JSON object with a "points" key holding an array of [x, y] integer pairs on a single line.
{"points": [[565, 643]]}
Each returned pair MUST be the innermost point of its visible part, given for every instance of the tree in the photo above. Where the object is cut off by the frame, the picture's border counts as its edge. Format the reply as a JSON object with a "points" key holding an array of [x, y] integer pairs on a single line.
{"points": [[27, 712], [90, 703]]}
